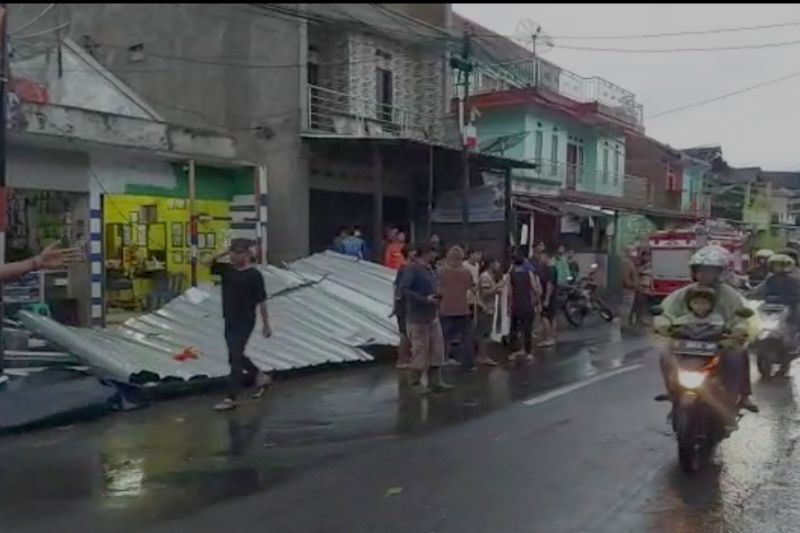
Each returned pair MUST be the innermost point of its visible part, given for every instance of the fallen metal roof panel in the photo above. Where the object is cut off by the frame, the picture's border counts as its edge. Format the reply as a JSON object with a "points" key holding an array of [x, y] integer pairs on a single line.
{"points": [[324, 309]]}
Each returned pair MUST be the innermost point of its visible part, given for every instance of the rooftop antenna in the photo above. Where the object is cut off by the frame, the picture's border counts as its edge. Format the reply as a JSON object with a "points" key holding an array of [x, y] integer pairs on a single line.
{"points": [[532, 37]]}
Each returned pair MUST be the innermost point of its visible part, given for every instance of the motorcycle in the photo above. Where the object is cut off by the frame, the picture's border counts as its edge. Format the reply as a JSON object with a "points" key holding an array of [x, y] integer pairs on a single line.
{"points": [[775, 345], [703, 402], [581, 298]]}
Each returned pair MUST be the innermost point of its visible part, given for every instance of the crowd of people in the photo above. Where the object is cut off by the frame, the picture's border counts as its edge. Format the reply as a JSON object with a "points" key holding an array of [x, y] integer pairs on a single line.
{"points": [[447, 303]]}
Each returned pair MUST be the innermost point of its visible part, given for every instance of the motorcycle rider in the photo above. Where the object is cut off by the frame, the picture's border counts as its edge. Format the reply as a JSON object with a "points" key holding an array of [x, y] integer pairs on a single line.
{"points": [[760, 270], [791, 252], [781, 286], [707, 265]]}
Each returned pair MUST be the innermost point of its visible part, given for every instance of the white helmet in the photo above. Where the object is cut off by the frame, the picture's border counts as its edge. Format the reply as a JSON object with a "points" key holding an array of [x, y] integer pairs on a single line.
{"points": [[710, 256], [764, 254]]}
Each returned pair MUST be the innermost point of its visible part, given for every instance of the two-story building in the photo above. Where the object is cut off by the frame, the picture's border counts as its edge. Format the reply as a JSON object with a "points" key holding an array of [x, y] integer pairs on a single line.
{"points": [[345, 104], [574, 128]]}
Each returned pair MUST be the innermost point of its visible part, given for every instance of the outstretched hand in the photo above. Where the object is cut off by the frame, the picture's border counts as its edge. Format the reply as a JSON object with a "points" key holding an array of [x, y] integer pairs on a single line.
{"points": [[54, 257]]}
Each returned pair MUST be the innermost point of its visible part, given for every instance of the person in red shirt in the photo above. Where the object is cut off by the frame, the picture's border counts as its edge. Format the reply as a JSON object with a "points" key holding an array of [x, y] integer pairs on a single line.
{"points": [[394, 257]]}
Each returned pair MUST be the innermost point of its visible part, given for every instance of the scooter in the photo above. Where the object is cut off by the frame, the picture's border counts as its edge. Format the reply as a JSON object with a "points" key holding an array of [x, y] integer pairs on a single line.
{"points": [[703, 403], [776, 344], [580, 299]]}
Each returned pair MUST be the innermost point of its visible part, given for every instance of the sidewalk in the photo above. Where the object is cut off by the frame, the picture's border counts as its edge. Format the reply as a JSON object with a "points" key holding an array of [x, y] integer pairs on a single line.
{"points": [[173, 458]]}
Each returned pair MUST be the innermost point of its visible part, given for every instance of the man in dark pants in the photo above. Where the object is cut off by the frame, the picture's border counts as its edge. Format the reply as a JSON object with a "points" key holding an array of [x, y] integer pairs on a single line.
{"points": [[523, 299], [242, 291]]}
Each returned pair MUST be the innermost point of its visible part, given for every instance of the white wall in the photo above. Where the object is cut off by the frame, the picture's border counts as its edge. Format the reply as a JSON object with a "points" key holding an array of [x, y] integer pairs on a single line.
{"points": [[81, 82], [47, 169], [111, 172]]}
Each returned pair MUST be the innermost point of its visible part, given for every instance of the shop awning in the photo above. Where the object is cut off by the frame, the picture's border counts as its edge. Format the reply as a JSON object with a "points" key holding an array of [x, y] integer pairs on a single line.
{"points": [[531, 205], [561, 208]]}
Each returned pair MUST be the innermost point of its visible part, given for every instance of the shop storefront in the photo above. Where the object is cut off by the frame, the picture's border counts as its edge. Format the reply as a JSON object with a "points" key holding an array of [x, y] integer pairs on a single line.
{"points": [[146, 233], [38, 218]]}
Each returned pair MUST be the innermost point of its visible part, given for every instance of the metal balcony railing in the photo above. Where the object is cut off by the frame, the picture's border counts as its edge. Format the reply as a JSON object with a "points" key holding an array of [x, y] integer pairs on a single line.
{"points": [[590, 180], [613, 99], [346, 114]]}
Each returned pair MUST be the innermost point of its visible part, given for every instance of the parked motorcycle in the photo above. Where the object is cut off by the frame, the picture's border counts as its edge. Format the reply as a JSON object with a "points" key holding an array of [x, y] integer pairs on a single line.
{"points": [[581, 298], [776, 344], [703, 402]]}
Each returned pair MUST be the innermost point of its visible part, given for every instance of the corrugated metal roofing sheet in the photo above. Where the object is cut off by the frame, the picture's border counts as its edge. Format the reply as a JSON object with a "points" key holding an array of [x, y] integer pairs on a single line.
{"points": [[323, 309]]}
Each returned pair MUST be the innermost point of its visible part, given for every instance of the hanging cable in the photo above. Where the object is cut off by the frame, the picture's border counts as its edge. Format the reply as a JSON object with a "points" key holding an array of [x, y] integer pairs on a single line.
{"points": [[34, 19], [676, 50], [43, 32], [727, 95], [679, 33]]}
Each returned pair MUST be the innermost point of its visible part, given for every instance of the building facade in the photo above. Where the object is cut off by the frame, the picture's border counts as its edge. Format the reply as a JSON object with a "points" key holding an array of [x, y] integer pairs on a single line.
{"points": [[91, 163], [289, 82], [572, 127]]}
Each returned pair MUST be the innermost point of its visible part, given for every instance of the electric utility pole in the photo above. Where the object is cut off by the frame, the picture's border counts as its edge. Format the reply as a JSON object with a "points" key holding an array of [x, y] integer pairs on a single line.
{"points": [[464, 65]]}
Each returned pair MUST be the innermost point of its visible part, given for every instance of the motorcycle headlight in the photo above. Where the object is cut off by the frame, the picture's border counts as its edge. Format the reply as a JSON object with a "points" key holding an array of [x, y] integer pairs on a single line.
{"points": [[690, 379]]}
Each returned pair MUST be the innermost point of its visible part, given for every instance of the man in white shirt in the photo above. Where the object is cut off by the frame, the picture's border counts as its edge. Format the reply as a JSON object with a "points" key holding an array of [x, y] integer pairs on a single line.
{"points": [[473, 264]]}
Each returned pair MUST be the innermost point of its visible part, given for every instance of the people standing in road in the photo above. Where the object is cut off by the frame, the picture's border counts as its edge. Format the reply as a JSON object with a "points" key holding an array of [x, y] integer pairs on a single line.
{"points": [[641, 305], [630, 286], [419, 287], [490, 284], [456, 286], [523, 300], [393, 257], [399, 311], [437, 247], [549, 289], [243, 291], [563, 272], [574, 267], [473, 264]]}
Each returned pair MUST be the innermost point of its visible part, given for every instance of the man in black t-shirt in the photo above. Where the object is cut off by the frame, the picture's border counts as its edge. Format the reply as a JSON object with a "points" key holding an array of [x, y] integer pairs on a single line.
{"points": [[242, 292]]}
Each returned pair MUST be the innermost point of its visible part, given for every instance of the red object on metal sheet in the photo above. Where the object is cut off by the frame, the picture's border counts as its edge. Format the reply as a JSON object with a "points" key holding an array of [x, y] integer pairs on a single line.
{"points": [[29, 91]]}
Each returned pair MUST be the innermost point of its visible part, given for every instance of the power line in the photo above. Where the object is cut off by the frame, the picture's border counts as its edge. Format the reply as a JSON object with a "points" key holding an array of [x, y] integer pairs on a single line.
{"points": [[679, 33], [215, 60], [727, 95], [44, 32], [675, 50], [42, 13], [322, 19]]}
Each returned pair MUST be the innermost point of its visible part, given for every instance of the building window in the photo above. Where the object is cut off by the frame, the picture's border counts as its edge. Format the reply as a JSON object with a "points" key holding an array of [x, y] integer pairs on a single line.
{"points": [[617, 160], [537, 150], [605, 164], [148, 214], [554, 155], [384, 94]]}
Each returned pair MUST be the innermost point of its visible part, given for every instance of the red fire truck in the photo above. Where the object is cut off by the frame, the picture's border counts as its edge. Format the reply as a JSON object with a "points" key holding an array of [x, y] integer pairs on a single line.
{"points": [[671, 250]]}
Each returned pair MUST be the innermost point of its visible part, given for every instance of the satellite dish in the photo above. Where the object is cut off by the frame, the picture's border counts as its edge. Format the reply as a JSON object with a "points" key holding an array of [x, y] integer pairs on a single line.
{"points": [[532, 37]]}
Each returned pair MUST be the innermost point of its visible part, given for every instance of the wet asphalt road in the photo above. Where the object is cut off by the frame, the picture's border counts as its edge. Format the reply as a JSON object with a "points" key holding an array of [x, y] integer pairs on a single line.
{"points": [[572, 443]]}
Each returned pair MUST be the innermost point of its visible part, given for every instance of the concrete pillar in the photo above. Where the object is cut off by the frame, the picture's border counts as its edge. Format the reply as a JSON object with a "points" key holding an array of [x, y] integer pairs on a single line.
{"points": [[96, 263], [377, 221]]}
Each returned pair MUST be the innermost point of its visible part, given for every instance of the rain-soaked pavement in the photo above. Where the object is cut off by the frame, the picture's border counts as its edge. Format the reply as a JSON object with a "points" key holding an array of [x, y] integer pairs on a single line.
{"points": [[571, 443]]}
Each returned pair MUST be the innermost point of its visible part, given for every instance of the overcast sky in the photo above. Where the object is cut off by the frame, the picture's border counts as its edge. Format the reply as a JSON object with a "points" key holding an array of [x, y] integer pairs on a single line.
{"points": [[755, 128]]}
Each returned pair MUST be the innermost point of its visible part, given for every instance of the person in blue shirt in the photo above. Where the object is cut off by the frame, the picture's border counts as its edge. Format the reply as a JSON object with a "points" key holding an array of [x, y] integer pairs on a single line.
{"points": [[354, 246], [364, 248], [338, 241]]}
